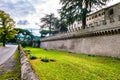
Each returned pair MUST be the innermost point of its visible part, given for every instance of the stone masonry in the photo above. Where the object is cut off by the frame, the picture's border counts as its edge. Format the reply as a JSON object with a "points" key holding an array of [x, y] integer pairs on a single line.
{"points": [[27, 73]]}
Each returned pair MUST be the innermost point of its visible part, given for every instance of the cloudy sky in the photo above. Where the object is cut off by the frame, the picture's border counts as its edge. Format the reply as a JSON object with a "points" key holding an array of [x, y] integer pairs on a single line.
{"points": [[27, 13]]}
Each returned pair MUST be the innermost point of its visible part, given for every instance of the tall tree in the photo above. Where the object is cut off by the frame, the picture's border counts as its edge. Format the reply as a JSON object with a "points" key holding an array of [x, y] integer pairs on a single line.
{"points": [[7, 31], [76, 10], [58, 25], [49, 21]]}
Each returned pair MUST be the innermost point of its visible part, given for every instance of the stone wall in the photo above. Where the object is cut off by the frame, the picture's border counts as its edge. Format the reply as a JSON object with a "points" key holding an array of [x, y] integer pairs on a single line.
{"points": [[27, 73], [101, 45], [105, 42], [99, 39]]}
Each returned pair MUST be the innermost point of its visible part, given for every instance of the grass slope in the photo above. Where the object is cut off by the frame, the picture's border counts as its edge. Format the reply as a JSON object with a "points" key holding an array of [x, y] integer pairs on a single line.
{"points": [[74, 66]]}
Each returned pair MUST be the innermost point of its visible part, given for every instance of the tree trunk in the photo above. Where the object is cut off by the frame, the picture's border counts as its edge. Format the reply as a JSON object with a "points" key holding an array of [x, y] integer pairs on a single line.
{"points": [[50, 29], [4, 44], [84, 19], [4, 40]]}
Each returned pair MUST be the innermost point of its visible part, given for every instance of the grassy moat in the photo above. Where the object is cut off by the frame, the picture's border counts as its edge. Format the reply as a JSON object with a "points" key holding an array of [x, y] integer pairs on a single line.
{"points": [[67, 66]]}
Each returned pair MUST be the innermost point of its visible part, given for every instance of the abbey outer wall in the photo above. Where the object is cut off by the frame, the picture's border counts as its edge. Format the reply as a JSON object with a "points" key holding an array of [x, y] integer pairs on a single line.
{"points": [[101, 45], [101, 36]]}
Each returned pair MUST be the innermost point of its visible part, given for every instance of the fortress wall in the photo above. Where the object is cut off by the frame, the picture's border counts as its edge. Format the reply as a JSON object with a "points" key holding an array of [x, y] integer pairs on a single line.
{"points": [[101, 45], [101, 39], [105, 42]]}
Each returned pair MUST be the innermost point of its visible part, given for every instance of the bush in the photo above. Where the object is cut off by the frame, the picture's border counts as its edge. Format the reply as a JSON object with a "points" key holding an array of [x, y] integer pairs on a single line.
{"points": [[33, 57], [45, 59], [52, 60], [24, 44], [0, 44], [27, 51]]}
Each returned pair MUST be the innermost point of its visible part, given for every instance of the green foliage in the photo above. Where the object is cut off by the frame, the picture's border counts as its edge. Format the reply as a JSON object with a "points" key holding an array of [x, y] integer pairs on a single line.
{"points": [[27, 51], [28, 37], [0, 44], [32, 57], [54, 24], [48, 20], [76, 10], [45, 32], [24, 43], [74, 66], [45, 59], [7, 31], [24, 32]]}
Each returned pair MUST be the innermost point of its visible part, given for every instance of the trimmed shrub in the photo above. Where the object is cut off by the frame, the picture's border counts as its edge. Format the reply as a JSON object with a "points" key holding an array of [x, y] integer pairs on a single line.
{"points": [[45, 59], [33, 57], [27, 51], [52, 60]]}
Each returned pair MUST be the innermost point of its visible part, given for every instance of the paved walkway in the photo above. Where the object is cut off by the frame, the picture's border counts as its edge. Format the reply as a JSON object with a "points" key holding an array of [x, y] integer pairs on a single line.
{"points": [[7, 52]]}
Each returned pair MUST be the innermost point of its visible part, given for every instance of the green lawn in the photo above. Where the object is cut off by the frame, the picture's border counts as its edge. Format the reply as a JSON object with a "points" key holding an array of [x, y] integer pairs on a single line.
{"points": [[74, 66]]}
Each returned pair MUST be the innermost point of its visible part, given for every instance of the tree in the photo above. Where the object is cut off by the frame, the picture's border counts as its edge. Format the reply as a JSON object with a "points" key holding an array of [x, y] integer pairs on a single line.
{"points": [[45, 32], [76, 10], [24, 32], [63, 26], [28, 36], [49, 21], [7, 31], [58, 25]]}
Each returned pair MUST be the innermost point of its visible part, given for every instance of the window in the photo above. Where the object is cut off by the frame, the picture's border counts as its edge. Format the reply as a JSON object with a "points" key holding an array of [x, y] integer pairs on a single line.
{"points": [[91, 25], [86, 26], [99, 14], [103, 13], [104, 22], [111, 12], [89, 18], [111, 20], [96, 16], [96, 23]]}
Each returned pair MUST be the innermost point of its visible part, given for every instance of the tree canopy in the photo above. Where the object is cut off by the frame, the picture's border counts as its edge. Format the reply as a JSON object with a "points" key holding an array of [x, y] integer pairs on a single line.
{"points": [[7, 31], [24, 31], [54, 24], [76, 10], [49, 21]]}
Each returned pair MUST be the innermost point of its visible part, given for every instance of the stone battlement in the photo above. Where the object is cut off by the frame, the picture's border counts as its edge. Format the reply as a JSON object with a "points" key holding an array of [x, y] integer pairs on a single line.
{"points": [[105, 28]]}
